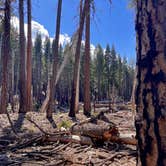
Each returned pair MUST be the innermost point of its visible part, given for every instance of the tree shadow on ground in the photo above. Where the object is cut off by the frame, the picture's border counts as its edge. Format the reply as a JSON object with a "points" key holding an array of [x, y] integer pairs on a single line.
{"points": [[8, 132], [52, 122], [19, 122]]}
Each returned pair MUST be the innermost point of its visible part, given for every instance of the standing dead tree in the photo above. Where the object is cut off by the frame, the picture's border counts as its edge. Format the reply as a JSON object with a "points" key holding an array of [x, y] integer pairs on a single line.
{"points": [[5, 57]]}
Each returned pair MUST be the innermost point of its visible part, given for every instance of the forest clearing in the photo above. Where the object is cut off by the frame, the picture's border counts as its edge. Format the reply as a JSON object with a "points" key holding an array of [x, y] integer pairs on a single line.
{"points": [[73, 92], [31, 147]]}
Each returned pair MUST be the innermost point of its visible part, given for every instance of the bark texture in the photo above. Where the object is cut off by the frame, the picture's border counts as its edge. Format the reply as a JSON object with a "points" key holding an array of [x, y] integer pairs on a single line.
{"points": [[22, 58], [151, 78], [73, 102], [51, 103], [29, 58], [5, 57], [87, 104]]}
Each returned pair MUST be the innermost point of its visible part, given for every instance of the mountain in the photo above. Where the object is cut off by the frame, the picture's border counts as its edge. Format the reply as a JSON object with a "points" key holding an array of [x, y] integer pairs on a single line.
{"points": [[38, 28]]}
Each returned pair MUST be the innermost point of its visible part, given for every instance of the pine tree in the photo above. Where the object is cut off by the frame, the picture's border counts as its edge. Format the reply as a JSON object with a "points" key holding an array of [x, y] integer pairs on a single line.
{"points": [[120, 76], [37, 84], [113, 67], [99, 70], [107, 72], [46, 61]]}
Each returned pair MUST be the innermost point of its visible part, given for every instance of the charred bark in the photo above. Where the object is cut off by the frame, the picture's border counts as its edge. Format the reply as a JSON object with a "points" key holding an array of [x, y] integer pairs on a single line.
{"points": [[73, 103], [87, 104], [151, 78], [51, 103], [29, 59], [22, 80], [5, 57]]}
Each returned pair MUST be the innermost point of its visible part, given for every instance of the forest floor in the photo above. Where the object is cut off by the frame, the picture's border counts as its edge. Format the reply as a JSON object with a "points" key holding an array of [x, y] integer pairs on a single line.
{"points": [[16, 150]]}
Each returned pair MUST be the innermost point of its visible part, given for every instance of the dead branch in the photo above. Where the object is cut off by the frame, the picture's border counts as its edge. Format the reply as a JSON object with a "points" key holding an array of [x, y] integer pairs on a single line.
{"points": [[27, 143], [83, 140], [12, 126], [44, 132], [124, 140], [121, 154]]}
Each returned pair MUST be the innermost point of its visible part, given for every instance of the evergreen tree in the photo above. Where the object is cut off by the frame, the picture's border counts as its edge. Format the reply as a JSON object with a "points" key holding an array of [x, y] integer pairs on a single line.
{"points": [[46, 61], [113, 67], [107, 72], [37, 84], [119, 76], [99, 70]]}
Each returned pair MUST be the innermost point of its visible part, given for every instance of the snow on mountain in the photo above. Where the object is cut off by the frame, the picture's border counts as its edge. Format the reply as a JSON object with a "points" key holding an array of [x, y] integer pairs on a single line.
{"points": [[38, 28], [63, 39]]}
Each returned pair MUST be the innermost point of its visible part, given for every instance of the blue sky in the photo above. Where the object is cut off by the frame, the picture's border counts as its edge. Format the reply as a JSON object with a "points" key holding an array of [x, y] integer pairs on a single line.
{"points": [[112, 24]]}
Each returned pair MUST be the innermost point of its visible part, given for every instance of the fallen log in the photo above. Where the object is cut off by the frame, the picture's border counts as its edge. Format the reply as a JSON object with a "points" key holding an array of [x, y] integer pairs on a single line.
{"points": [[124, 140], [83, 140], [101, 130], [91, 131], [94, 119], [119, 106]]}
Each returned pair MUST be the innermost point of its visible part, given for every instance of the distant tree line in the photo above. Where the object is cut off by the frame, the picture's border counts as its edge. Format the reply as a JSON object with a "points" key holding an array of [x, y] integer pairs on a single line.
{"points": [[43, 72], [111, 76]]}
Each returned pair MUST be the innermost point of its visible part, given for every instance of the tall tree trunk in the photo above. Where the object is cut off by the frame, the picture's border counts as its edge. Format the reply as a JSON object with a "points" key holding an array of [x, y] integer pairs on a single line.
{"points": [[22, 59], [78, 76], [51, 103], [29, 59], [11, 79], [5, 57], [87, 104], [132, 99], [73, 104], [151, 79], [77, 90]]}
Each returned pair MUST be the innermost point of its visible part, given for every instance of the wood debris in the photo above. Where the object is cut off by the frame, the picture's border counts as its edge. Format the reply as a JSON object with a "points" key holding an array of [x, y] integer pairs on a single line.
{"points": [[100, 140]]}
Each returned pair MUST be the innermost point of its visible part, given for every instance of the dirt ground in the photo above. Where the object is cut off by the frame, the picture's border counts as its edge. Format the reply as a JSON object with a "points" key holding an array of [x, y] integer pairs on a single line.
{"points": [[56, 153]]}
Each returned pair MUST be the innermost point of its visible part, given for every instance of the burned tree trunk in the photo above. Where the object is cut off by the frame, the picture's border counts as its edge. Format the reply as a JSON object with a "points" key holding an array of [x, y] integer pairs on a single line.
{"points": [[73, 103], [22, 80], [151, 78], [78, 75], [5, 57], [51, 103], [29, 59], [87, 103]]}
